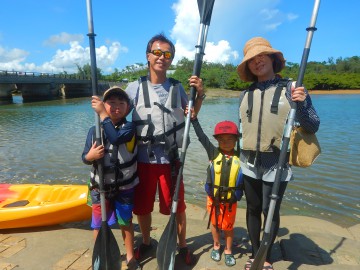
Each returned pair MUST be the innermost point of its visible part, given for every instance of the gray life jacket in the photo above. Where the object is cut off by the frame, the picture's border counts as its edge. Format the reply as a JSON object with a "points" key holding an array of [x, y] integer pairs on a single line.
{"points": [[263, 115], [119, 165], [158, 123]]}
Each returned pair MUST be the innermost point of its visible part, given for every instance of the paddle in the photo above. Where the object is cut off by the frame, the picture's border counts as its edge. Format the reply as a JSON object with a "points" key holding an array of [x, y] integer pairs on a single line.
{"points": [[106, 253], [260, 256], [166, 249]]}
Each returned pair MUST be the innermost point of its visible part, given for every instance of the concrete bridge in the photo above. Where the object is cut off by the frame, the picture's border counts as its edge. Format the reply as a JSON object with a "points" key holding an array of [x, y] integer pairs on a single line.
{"points": [[44, 86]]}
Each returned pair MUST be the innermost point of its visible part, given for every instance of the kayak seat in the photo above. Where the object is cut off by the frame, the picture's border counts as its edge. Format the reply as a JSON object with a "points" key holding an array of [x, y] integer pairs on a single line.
{"points": [[17, 204]]}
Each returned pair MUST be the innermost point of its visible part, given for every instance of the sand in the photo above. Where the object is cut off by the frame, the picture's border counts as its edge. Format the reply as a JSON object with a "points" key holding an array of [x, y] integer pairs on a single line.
{"points": [[215, 93], [303, 243]]}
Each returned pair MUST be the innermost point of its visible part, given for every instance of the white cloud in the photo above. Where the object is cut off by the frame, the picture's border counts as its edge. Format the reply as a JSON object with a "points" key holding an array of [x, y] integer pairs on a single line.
{"points": [[78, 55], [292, 16], [186, 33], [232, 23], [272, 26], [186, 23], [269, 14], [13, 55], [220, 52], [63, 38], [63, 59]]}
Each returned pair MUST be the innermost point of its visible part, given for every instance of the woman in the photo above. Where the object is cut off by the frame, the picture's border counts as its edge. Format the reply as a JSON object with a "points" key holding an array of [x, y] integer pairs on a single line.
{"points": [[263, 112]]}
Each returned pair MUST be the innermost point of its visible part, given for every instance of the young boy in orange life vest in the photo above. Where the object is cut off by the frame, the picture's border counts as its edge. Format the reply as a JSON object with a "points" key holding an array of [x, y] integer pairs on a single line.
{"points": [[223, 184]]}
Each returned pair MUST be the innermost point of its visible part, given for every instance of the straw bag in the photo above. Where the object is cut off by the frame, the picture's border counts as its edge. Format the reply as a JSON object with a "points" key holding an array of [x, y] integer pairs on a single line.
{"points": [[304, 148]]}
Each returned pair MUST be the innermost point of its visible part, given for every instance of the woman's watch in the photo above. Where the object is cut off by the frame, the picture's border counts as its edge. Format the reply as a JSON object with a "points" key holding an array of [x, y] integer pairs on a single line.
{"points": [[202, 97]]}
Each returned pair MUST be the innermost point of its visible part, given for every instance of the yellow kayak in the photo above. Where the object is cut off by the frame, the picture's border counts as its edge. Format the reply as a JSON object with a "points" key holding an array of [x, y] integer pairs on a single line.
{"points": [[32, 205]]}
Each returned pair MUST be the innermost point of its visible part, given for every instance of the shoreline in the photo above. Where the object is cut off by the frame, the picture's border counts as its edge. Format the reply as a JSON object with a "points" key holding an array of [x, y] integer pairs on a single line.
{"points": [[335, 92], [215, 93], [308, 243]]}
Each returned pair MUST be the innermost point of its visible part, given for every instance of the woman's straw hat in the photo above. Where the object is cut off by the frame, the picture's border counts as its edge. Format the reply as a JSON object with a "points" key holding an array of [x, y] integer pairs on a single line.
{"points": [[254, 47]]}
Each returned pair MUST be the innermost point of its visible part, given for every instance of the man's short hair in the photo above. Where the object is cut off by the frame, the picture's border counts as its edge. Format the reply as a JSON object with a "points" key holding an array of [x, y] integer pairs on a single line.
{"points": [[163, 38]]}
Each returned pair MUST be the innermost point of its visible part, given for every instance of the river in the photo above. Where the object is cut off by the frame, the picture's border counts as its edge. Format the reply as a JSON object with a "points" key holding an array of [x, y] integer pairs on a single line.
{"points": [[42, 142]]}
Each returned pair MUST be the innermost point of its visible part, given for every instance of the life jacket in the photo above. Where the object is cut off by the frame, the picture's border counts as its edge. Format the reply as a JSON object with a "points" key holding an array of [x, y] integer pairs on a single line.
{"points": [[225, 177], [158, 123], [226, 180], [263, 115], [119, 166]]}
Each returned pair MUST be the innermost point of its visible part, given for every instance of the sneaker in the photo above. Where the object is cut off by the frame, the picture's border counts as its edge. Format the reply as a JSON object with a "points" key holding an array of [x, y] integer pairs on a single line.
{"points": [[188, 257], [141, 250]]}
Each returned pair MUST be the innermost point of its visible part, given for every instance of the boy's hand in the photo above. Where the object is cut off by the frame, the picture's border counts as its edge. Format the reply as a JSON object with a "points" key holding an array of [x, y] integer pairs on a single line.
{"points": [[97, 104], [95, 152]]}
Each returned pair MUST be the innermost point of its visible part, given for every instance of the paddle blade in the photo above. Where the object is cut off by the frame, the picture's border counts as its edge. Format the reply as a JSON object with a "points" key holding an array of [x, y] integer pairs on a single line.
{"points": [[260, 256], [106, 253], [166, 250], [205, 9]]}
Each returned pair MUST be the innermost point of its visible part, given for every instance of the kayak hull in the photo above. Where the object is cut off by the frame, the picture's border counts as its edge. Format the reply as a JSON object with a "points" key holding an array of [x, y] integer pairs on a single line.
{"points": [[33, 205]]}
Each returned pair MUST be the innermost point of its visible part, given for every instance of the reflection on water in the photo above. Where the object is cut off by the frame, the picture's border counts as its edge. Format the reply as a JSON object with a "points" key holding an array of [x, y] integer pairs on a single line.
{"points": [[42, 143]]}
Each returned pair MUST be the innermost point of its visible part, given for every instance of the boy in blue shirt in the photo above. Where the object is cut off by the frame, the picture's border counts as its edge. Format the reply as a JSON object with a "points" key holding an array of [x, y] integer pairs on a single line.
{"points": [[118, 151]]}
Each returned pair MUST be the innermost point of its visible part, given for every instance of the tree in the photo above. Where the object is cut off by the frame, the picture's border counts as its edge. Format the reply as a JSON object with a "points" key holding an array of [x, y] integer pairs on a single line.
{"points": [[325, 75], [85, 72]]}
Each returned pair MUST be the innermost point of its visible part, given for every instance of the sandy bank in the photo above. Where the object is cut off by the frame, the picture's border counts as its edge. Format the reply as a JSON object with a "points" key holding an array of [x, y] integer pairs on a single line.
{"points": [[216, 93], [303, 243]]}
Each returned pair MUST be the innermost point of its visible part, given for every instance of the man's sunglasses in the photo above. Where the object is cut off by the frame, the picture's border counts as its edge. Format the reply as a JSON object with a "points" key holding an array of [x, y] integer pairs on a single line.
{"points": [[158, 53]]}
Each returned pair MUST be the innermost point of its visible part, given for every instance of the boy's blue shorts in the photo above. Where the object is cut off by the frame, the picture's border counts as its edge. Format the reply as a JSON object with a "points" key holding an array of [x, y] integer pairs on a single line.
{"points": [[118, 209]]}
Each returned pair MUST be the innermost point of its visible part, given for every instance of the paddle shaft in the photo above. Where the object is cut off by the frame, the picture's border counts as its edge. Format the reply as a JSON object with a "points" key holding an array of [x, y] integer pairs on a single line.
{"points": [[205, 9], [266, 242], [94, 85], [167, 244], [200, 48], [106, 253]]}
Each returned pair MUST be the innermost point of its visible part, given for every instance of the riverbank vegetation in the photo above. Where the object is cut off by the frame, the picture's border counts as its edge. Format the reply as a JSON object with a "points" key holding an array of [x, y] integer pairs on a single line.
{"points": [[342, 73]]}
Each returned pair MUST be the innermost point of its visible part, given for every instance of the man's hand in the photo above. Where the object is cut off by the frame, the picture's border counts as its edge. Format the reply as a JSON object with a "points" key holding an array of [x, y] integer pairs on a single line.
{"points": [[196, 82]]}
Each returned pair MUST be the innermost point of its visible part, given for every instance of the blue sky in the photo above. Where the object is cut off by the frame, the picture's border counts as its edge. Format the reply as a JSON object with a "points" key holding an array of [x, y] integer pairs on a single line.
{"points": [[51, 35]]}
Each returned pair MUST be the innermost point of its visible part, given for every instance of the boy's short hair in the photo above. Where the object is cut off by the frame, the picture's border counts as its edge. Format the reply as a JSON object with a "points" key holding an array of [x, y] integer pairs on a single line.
{"points": [[116, 91]]}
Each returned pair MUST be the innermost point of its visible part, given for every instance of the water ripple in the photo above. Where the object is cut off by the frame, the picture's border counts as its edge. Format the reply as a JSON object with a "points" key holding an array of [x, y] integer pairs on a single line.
{"points": [[42, 143]]}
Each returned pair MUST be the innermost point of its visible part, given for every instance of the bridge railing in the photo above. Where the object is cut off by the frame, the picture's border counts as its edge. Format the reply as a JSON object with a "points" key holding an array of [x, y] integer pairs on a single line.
{"points": [[43, 75]]}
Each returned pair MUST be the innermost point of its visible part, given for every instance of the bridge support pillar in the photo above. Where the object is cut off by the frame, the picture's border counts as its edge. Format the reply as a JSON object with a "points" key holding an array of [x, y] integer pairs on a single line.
{"points": [[73, 90], [39, 91], [6, 93]]}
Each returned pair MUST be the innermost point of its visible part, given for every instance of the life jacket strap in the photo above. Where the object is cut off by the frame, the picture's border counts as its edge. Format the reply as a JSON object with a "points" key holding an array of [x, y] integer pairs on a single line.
{"points": [[145, 91], [162, 107], [250, 104]]}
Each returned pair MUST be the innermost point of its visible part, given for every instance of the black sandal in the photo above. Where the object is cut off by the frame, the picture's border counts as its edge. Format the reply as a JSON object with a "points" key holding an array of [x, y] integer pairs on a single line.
{"points": [[133, 265], [188, 257], [248, 264], [141, 250]]}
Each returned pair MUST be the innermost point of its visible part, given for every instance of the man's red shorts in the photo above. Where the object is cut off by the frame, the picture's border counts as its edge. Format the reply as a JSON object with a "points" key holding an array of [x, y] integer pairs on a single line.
{"points": [[151, 177]]}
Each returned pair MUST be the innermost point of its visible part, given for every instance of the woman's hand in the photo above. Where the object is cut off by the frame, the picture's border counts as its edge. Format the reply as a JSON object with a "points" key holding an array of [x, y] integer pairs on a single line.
{"points": [[298, 94]]}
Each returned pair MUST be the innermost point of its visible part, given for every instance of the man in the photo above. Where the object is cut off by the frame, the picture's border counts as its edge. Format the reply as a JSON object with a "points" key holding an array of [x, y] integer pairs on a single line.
{"points": [[159, 103]]}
